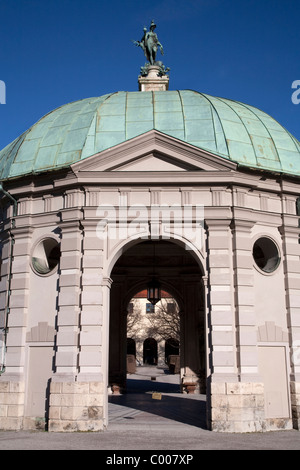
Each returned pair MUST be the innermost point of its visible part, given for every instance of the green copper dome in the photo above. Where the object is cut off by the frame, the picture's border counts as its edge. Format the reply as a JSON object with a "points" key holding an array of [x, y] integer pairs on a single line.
{"points": [[75, 131]]}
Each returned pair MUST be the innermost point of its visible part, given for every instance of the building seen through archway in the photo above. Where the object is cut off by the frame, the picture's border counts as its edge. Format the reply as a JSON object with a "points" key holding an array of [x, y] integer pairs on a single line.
{"points": [[153, 328]]}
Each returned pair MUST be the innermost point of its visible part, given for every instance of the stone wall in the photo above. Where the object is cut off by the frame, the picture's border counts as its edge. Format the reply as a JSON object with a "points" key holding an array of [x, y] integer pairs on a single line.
{"points": [[11, 405], [295, 402], [237, 407], [76, 406]]}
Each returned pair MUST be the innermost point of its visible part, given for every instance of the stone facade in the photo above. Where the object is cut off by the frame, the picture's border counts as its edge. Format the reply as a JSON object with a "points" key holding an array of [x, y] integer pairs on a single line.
{"points": [[237, 407], [80, 247], [76, 406], [12, 399], [295, 399]]}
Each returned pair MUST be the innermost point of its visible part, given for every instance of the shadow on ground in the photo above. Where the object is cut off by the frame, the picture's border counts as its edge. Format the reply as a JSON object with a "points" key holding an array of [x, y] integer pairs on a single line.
{"points": [[174, 406]]}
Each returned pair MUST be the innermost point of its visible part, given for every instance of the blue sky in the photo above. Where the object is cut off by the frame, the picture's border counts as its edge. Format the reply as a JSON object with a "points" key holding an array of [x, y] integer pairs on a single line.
{"points": [[53, 52]]}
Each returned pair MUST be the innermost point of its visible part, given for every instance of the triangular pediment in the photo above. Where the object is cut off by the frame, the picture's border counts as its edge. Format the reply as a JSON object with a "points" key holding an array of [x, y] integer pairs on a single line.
{"points": [[153, 152], [155, 162]]}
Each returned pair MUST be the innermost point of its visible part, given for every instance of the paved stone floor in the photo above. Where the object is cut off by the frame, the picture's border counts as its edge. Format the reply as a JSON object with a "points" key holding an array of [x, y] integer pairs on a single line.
{"points": [[140, 409], [137, 422]]}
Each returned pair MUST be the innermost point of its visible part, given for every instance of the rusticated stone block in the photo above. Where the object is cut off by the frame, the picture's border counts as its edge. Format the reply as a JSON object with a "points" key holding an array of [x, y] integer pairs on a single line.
{"points": [[55, 387], [74, 413], [237, 407], [4, 387], [295, 402], [3, 410], [96, 387], [15, 410], [11, 424], [54, 412], [75, 387], [244, 388], [76, 426], [76, 406], [11, 398], [218, 388], [95, 412]]}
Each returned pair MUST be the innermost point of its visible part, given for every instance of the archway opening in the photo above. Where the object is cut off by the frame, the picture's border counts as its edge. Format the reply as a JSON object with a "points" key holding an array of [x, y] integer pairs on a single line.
{"points": [[150, 352], [180, 276]]}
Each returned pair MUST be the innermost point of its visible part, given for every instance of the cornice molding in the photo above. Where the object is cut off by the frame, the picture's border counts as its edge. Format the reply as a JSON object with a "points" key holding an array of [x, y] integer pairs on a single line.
{"points": [[196, 167], [155, 143]]}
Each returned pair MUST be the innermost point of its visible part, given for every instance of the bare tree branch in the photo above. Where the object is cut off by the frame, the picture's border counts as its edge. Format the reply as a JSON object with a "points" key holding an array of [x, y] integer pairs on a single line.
{"points": [[134, 319], [165, 323]]}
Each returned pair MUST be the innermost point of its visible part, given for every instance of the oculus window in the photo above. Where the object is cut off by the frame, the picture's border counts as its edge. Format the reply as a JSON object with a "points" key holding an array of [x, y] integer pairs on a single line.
{"points": [[266, 255], [45, 257]]}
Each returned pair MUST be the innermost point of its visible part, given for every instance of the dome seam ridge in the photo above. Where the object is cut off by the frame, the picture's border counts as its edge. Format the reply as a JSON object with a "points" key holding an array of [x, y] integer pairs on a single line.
{"points": [[125, 123], [182, 113], [109, 95], [220, 121], [56, 162], [243, 124], [86, 137], [247, 107]]}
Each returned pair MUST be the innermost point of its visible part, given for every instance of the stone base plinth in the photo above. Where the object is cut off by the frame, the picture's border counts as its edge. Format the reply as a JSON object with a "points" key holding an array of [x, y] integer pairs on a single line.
{"points": [[152, 82], [76, 406], [278, 424], [237, 407], [295, 402], [34, 424], [12, 395]]}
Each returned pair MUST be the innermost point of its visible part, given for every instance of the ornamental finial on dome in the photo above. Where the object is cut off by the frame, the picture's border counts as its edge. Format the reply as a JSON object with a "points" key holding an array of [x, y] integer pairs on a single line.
{"points": [[153, 74]]}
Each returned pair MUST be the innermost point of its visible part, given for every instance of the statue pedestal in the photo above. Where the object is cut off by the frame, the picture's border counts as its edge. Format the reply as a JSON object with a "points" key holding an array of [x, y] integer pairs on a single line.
{"points": [[152, 82]]}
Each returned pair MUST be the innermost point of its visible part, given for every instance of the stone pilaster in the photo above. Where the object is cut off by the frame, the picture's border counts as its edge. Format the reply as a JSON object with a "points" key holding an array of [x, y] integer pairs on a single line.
{"points": [[90, 339], [6, 260], [291, 253], [65, 392], [233, 406], [69, 295], [12, 381], [77, 393], [221, 302], [247, 354]]}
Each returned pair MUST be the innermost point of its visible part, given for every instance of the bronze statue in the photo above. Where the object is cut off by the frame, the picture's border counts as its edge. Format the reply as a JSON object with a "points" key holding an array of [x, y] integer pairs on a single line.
{"points": [[150, 43]]}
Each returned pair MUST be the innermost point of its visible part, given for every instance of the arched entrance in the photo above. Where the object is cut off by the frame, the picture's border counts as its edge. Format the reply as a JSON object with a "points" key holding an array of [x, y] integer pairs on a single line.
{"points": [[150, 351], [180, 274]]}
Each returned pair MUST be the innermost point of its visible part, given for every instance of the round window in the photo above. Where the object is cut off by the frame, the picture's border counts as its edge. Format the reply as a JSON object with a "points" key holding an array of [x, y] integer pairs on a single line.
{"points": [[46, 256], [266, 254]]}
